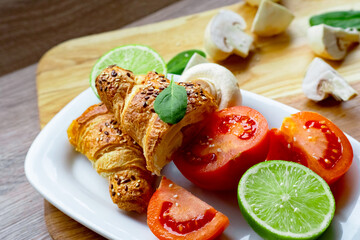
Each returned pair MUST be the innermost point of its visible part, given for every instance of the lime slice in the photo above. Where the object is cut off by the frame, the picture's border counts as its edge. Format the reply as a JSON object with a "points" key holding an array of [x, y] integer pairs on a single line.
{"points": [[139, 59], [285, 200]]}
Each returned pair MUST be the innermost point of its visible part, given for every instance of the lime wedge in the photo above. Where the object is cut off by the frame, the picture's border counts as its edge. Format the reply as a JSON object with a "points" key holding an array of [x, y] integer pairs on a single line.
{"points": [[139, 59], [285, 200]]}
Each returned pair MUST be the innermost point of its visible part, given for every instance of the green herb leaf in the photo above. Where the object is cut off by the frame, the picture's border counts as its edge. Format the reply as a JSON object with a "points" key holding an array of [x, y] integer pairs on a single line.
{"points": [[343, 19], [171, 103], [178, 63]]}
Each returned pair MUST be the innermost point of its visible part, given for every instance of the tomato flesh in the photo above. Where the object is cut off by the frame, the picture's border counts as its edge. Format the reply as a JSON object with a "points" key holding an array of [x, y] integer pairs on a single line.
{"points": [[315, 142], [184, 227], [231, 141], [174, 213]]}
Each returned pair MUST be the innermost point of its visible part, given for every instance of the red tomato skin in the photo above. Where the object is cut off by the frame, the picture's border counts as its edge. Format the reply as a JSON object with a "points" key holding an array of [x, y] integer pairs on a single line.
{"points": [[211, 230], [226, 175], [302, 148]]}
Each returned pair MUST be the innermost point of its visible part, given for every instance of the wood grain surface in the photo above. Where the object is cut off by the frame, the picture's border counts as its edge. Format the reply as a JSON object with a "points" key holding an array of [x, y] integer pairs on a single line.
{"points": [[30, 28]]}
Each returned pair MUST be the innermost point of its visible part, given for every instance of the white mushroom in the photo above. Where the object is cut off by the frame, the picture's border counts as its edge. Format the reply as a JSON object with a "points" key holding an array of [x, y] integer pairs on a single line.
{"points": [[321, 80], [271, 19], [331, 42], [195, 60], [217, 80], [224, 36], [257, 2]]}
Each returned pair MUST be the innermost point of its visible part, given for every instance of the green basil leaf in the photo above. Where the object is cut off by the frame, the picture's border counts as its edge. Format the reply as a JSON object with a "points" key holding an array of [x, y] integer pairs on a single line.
{"points": [[178, 63], [342, 19], [171, 103]]}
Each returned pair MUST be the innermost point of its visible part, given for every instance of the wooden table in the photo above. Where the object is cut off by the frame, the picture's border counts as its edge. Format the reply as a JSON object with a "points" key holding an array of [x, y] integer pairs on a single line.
{"points": [[21, 207]]}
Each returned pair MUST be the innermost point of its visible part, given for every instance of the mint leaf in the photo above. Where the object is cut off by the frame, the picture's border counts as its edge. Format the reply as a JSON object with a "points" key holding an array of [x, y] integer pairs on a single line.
{"points": [[343, 19], [178, 63], [171, 103]]}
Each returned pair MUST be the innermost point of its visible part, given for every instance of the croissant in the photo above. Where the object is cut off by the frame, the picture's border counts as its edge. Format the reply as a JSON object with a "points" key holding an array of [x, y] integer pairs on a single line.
{"points": [[115, 156], [131, 99]]}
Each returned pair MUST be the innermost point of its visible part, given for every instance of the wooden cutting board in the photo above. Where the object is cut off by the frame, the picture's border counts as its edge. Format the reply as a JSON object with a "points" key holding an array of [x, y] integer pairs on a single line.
{"points": [[275, 69]]}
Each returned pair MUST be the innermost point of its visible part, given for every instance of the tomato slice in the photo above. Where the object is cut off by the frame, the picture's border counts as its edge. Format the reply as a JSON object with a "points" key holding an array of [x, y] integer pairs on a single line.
{"points": [[315, 142], [231, 141], [174, 213]]}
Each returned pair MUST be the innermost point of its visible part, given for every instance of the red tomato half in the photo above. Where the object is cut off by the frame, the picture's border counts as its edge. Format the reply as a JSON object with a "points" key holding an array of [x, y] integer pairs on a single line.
{"points": [[174, 213], [315, 142], [231, 141]]}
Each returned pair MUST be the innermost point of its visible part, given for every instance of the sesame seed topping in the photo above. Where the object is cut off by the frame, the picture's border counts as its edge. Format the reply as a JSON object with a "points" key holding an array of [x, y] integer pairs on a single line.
{"points": [[138, 180], [118, 194], [289, 146], [176, 204], [175, 196], [170, 185], [137, 184], [219, 150], [309, 137]]}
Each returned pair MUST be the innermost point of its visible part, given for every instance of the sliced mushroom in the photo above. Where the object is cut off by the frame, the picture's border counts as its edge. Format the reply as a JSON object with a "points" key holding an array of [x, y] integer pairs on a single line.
{"points": [[271, 19], [195, 60], [257, 2], [217, 80], [331, 42], [321, 80], [224, 36]]}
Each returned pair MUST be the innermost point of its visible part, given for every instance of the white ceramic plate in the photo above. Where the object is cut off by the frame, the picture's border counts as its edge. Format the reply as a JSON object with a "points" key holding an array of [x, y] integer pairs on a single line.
{"points": [[67, 180]]}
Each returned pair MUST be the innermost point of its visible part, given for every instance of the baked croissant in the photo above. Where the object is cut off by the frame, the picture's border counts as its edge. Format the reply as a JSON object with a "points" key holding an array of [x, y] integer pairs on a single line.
{"points": [[131, 99], [115, 156]]}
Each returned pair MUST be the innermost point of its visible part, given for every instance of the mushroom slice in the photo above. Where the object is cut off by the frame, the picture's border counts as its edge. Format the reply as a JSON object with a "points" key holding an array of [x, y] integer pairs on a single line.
{"points": [[257, 2], [271, 19], [195, 60], [331, 42], [321, 80], [217, 80], [224, 36]]}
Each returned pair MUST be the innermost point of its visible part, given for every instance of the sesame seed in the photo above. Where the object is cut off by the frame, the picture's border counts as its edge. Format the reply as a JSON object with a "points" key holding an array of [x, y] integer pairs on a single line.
{"points": [[118, 194], [113, 190], [309, 137], [219, 150], [212, 145], [176, 204], [294, 139], [175, 196], [327, 160], [138, 180], [304, 127], [289, 146], [97, 139], [137, 184], [101, 138], [170, 185]]}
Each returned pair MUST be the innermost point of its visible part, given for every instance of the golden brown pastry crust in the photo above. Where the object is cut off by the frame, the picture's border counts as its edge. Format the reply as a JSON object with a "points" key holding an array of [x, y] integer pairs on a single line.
{"points": [[133, 107], [115, 155]]}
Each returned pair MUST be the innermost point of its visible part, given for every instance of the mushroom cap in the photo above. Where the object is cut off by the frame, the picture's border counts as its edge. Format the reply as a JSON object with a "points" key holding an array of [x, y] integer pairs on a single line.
{"points": [[271, 19], [217, 80]]}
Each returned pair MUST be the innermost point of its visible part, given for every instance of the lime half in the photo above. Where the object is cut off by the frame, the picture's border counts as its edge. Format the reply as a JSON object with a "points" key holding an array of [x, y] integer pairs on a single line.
{"points": [[139, 59], [285, 200]]}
